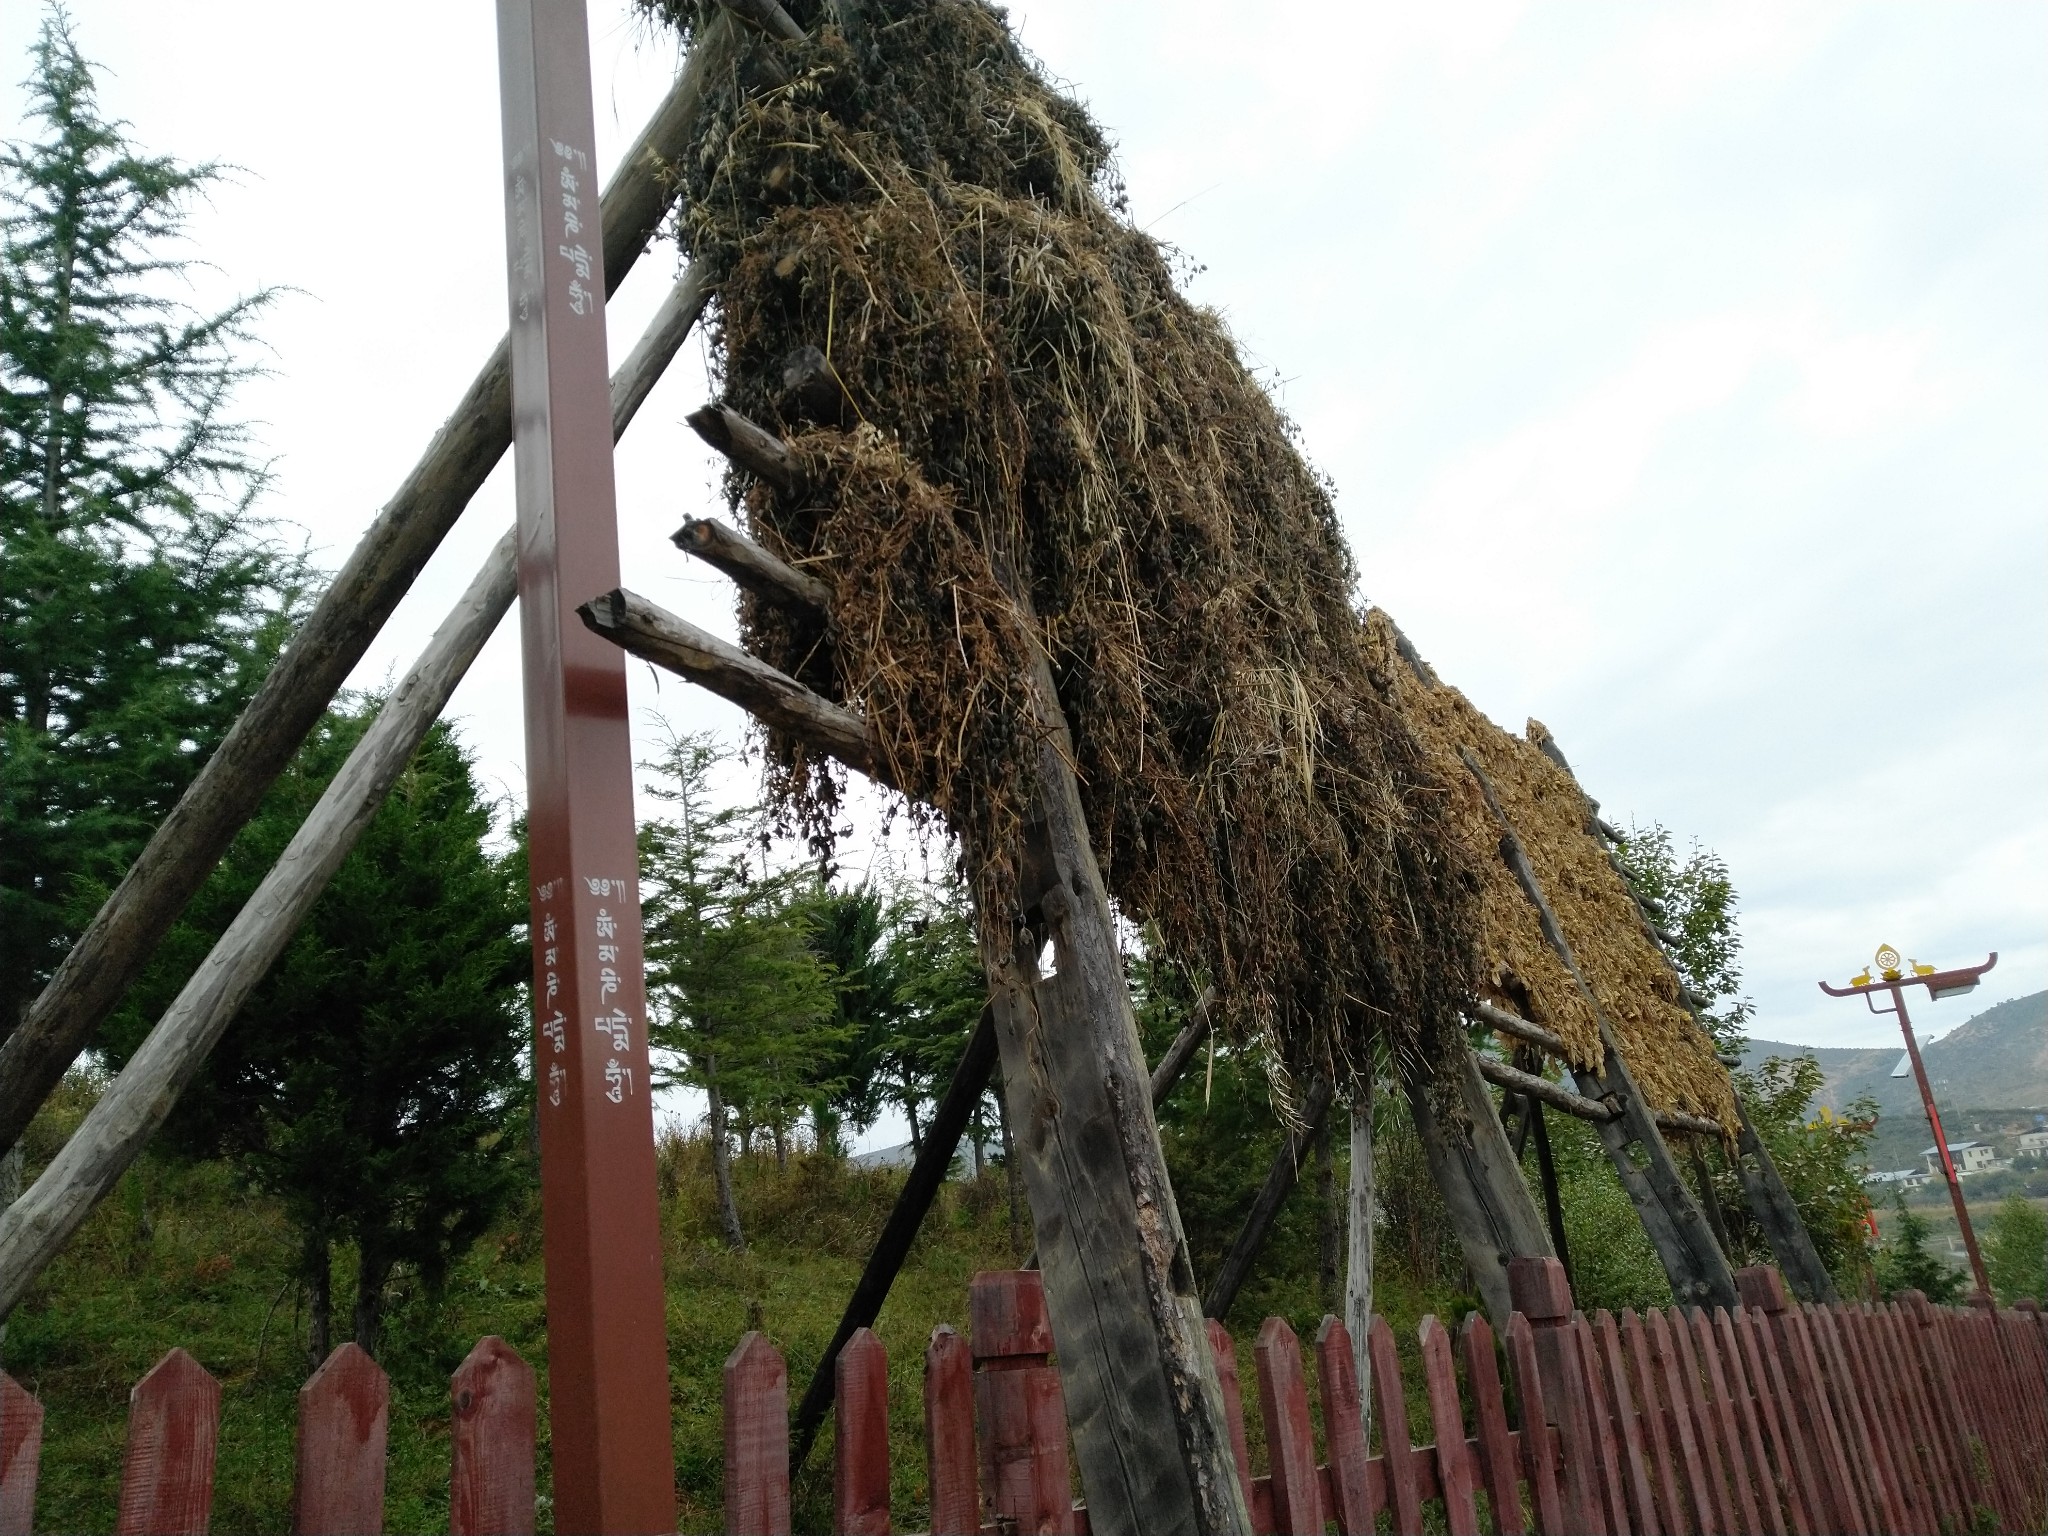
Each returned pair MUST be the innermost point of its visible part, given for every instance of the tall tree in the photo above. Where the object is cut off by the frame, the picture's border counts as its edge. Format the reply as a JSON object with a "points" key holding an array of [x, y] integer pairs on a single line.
{"points": [[2016, 1250], [1699, 902], [1904, 1262], [740, 1001], [140, 601], [370, 1081]]}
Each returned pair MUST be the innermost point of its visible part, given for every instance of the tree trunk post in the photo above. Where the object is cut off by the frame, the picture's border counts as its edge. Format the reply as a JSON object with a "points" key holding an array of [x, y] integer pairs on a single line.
{"points": [[1361, 1214], [721, 1157]]}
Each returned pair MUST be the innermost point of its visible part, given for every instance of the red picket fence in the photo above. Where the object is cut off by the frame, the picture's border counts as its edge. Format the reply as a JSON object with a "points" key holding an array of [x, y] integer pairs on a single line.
{"points": [[1795, 1420]]}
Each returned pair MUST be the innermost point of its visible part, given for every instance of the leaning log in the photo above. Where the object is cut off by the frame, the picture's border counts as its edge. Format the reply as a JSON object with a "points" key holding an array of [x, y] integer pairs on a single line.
{"points": [[130, 1111], [1281, 1178], [121, 938], [755, 449], [752, 567]]}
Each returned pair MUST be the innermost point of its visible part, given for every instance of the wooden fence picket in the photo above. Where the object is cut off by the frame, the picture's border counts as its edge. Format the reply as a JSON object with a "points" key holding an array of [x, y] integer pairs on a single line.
{"points": [[344, 1417], [1609, 1486], [173, 1431], [1290, 1437], [493, 1422], [1745, 1395], [1020, 1411], [1454, 1471], [1542, 1296], [1499, 1458], [1658, 1430], [756, 1385], [860, 1437], [21, 1456], [1258, 1492], [1352, 1504], [949, 1434], [1612, 1371], [1539, 1443], [1901, 1348], [1390, 1411], [1727, 1426]]}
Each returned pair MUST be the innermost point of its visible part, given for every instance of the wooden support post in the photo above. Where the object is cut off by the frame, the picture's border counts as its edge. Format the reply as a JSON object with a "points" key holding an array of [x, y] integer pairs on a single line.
{"points": [[1553, 1201], [1482, 1185], [1360, 1215], [118, 943], [1697, 1269], [1258, 1225], [1784, 1229], [1018, 1407], [123, 1119], [608, 1388]]}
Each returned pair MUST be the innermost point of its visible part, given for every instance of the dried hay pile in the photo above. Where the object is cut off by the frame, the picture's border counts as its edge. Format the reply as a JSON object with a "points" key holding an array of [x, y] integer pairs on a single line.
{"points": [[1035, 433], [1633, 983]]}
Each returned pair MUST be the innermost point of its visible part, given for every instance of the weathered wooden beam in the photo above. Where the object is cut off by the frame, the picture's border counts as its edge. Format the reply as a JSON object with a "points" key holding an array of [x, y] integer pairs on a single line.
{"points": [[235, 967], [768, 16], [1528, 1084], [1281, 1178], [1678, 1230], [1553, 1198], [777, 700], [752, 567], [1514, 1024], [120, 940], [1182, 1050], [754, 449], [1480, 1179], [136, 1104], [927, 1173], [1360, 1216]]}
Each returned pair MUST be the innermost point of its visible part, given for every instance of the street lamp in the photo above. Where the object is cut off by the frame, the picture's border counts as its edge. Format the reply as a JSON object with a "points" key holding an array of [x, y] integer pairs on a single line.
{"points": [[1894, 976]]}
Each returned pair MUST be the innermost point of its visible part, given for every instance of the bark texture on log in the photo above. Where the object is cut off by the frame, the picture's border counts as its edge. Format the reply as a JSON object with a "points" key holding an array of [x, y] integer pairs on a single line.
{"points": [[751, 566], [1361, 1213], [120, 939]]}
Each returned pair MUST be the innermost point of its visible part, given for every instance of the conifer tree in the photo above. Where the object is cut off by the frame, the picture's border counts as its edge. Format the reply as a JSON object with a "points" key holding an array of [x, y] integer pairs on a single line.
{"points": [[2016, 1250], [1905, 1264], [140, 600]]}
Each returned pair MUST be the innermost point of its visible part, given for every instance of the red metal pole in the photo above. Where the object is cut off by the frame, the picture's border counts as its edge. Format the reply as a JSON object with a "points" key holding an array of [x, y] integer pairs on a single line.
{"points": [[608, 1399], [1948, 1167]]}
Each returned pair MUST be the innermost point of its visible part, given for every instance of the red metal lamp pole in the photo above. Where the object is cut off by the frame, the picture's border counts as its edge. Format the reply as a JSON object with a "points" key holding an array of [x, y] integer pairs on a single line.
{"points": [[1939, 984], [608, 1396]]}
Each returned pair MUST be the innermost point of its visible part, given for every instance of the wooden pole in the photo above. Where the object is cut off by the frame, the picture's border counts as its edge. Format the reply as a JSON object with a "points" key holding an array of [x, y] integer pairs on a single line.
{"points": [[120, 939], [136, 1104], [1361, 1214], [1696, 1267], [1281, 1178]]}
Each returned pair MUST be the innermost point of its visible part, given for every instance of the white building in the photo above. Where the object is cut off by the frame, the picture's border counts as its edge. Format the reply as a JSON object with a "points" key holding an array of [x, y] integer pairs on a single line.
{"points": [[2034, 1141], [1968, 1156], [1910, 1178]]}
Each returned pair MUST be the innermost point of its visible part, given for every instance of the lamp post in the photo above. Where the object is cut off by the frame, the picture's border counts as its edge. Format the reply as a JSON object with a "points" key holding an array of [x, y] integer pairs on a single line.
{"points": [[1894, 975]]}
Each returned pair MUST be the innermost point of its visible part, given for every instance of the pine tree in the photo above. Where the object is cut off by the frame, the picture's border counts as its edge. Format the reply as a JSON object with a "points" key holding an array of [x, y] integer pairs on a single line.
{"points": [[2016, 1250], [140, 601], [370, 1081], [739, 999], [1904, 1263]]}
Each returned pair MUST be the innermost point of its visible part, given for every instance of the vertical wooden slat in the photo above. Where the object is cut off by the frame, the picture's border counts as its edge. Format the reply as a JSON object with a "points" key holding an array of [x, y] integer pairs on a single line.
{"points": [[1539, 1445], [1898, 1344], [1881, 1499], [21, 1456], [1290, 1437], [344, 1415], [493, 1419], [1020, 1411], [1497, 1461], [1838, 1478], [1542, 1296], [1790, 1465], [1258, 1493], [1659, 1449], [1390, 1407], [1802, 1462], [1453, 1463], [1612, 1485], [1744, 1395], [2001, 1409], [1946, 1397], [1707, 1429], [1890, 1425], [756, 1439], [1351, 1502], [860, 1437], [949, 1434], [1627, 1424], [1691, 1465], [1728, 1430], [167, 1472]]}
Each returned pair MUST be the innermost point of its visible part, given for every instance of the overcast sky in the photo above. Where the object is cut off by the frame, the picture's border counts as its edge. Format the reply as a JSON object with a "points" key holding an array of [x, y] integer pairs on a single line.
{"points": [[1682, 371]]}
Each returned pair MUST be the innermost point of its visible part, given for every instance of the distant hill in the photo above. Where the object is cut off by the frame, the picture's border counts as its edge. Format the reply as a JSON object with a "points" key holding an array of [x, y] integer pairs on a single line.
{"points": [[1998, 1060]]}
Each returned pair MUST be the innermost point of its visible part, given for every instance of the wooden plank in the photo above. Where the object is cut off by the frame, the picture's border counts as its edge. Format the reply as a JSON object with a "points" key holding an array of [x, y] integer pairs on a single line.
{"points": [[1850, 1512], [860, 1438], [344, 1415], [1890, 1427], [1754, 1459], [756, 1439], [1613, 1371], [1539, 1442], [1880, 1498], [1659, 1435], [1223, 1351], [493, 1419], [1499, 1456], [1290, 1436], [921, 1187], [1350, 1504], [1789, 1466], [21, 1456], [1772, 1205], [1404, 1492], [949, 1434], [1454, 1468], [1020, 1411], [1612, 1488], [1897, 1346], [1707, 1427], [1727, 1425], [173, 1431], [1542, 1296], [182, 852], [1707, 1514]]}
